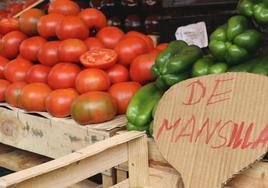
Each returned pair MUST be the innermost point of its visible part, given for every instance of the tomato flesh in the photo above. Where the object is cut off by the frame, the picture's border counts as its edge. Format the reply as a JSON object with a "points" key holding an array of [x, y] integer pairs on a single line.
{"points": [[99, 58]]}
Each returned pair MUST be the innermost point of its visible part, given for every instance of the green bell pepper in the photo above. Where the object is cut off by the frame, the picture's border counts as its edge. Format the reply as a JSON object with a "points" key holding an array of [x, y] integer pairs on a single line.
{"points": [[175, 68], [234, 42], [256, 9], [140, 108], [201, 66]]}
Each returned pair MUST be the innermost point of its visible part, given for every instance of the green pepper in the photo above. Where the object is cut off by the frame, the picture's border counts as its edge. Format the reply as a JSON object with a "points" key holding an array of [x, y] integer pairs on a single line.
{"points": [[176, 68], [256, 9], [260, 69], [173, 48], [201, 66], [218, 68], [235, 42], [140, 108]]}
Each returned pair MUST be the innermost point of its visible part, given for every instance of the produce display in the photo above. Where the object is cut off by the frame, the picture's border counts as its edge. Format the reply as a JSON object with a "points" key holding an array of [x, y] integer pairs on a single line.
{"points": [[70, 63], [55, 63]]}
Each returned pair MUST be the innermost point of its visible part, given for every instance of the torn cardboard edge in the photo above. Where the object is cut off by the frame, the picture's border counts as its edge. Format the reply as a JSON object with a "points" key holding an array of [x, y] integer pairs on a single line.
{"points": [[118, 122]]}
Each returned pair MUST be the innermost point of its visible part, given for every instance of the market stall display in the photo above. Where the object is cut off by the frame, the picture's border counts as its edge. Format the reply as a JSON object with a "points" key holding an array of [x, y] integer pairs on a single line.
{"points": [[70, 72]]}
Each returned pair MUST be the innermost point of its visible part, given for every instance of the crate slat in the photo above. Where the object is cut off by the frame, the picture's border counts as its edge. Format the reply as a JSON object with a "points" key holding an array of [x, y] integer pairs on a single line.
{"points": [[51, 137]]}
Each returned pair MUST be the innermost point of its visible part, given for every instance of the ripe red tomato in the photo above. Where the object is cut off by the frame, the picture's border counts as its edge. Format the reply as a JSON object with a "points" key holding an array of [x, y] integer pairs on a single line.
{"points": [[123, 93], [33, 97], [118, 73], [162, 46], [110, 36], [47, 25], [94, 43], [63, 76], [72, 27], [58, 102], [93, 107], [129, 48], [3, 62], [37, 73], [10, 44], [92, 80], [48, 53], [143, 64], [101, 58], [70, 50], [149, 42], [3, 86], [28, 21], [8, 24], [65, 7], [30, 47], [16, 70], [12, 93], [14, 8], [94, 18]]}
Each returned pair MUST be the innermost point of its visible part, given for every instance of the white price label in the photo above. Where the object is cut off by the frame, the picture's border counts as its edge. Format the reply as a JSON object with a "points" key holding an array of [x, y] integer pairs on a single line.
{"points": [[193, 34]]}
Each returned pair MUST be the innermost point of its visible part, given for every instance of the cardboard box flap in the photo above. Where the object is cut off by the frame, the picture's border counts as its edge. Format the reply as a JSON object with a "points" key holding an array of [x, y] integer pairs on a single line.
{"points": [[211, 128]]}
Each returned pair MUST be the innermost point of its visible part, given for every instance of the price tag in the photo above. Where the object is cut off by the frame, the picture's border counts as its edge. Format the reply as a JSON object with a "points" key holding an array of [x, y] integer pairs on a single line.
{"points": [[193, 34]]}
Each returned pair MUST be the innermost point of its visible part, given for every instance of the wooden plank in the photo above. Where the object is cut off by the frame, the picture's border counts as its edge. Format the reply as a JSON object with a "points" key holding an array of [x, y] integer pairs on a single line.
{"points": [[138, 162], [19, 160], [158, 179], [50, 137], [75, 167], [121, 175], [156, 160], [255, 177]]}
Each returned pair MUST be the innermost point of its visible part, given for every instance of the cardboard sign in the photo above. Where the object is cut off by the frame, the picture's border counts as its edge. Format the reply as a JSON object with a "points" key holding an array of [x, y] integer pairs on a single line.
{"points": [[211, 128], [193, 34]]}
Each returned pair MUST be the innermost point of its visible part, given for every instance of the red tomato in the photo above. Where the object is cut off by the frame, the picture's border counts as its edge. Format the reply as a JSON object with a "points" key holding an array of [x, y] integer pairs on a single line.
{"points": [[93, 107], [47, 25], [8, 24], [71, 50], [72, 27], [37, 73], [58, 102], [162, 46], [30, 47], [10, 44], [28, 21], [3, 87], [65, 7], [48, 53], [110, 36], [93, 18], [3, 62], [63, 76], [123, 93], [92, 80], [129, 48], [16, 70], [12, 93], [118, 73], [93, 43], [140, 68], [149, 42], [33, 97], [99, 58]]}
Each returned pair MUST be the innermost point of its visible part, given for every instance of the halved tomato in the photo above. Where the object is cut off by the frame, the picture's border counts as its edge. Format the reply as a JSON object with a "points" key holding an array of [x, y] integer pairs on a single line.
{"points": [[99, 58]]}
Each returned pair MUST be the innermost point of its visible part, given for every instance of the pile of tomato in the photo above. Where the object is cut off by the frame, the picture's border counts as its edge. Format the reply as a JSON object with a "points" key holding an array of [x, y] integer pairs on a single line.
{"points": [[55, 63]]}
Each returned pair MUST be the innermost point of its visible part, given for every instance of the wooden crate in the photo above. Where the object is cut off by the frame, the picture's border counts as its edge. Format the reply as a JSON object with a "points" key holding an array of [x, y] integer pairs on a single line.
{"points": [[51, 137], [255, 177], [65, 171]]}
